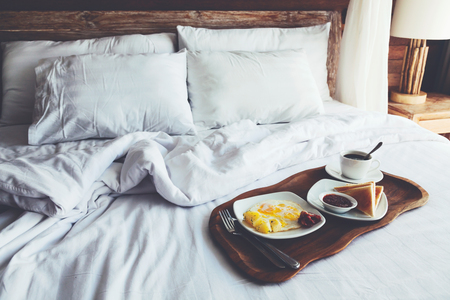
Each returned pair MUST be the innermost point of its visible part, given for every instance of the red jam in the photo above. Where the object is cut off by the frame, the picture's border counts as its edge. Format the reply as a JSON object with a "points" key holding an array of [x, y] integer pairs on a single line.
{"points": [[337, 200], [307, 219]]}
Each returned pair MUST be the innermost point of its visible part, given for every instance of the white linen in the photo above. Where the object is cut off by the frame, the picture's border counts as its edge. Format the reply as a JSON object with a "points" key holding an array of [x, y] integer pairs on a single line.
{"points": [[143, 247], [21, 57], [109, 95], [55, 179], [314, 39], [264, 87], [362, 76]]}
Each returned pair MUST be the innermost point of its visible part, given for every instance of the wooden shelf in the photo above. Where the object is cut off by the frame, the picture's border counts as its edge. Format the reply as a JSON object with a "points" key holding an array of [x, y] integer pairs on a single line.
{"points": [[433, 115]]}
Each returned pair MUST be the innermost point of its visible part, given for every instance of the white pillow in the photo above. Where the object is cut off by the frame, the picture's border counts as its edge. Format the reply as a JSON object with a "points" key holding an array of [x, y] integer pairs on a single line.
{"points": [[109, 95], [264, 87], [314, 40], [21, 57]]}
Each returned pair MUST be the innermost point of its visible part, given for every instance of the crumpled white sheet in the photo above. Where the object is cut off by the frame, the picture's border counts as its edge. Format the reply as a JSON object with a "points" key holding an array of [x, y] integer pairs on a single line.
{"points": [[185, 170], [141, 246]]}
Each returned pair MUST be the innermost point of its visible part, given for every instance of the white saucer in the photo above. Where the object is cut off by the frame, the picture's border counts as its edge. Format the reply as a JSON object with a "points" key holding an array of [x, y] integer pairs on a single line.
{"points": [[334, 170], [325, 185]]}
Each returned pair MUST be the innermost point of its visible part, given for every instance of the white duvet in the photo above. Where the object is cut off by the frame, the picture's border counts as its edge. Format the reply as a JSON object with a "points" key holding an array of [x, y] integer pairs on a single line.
{"points": [[185, 170], [110, 236]]}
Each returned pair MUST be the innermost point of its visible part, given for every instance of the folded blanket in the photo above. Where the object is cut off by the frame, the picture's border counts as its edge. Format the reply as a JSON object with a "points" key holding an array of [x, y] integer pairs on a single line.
{"points": [[186, 170]]}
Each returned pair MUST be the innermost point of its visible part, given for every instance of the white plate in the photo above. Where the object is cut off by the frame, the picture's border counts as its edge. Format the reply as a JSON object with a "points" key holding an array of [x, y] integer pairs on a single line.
{"points": [[241, 206], [334, 170], [325, 185]]}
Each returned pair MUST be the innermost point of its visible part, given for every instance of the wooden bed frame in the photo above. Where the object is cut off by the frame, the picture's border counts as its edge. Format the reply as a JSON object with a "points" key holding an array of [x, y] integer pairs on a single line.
{"points": [[71, 25]]}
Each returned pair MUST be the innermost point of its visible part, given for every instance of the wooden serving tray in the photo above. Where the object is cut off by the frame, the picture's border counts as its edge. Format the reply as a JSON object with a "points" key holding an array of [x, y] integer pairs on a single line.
{"points": [[334, 236]]}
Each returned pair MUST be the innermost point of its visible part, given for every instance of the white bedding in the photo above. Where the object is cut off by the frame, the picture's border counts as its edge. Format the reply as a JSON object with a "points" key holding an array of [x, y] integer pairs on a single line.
{"points": [[141, 245]]}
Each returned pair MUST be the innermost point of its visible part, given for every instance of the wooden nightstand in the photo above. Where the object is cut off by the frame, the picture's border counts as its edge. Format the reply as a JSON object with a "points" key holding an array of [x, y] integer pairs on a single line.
{"points": [[433, 115]]}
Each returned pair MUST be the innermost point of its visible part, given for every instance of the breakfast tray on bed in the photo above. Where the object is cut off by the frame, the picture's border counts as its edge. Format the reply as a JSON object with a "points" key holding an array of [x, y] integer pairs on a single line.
{"points": [[334, 236]]}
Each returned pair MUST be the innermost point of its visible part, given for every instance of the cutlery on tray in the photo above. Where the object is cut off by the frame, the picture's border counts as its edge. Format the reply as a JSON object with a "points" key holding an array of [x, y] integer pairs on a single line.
{"points": [[275, 255]]}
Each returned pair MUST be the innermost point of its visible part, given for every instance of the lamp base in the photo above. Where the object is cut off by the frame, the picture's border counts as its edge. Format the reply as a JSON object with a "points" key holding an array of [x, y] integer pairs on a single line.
{"points": [[408, 98]]}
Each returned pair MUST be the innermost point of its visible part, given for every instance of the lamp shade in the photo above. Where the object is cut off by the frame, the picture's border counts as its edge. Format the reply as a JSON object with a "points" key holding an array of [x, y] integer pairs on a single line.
{"points": [[421, 19]]}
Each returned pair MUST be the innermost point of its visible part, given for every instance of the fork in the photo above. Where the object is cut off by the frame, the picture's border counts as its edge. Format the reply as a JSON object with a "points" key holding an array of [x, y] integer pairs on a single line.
{"points": [[225, 214], [280, 254], [229, 225]]}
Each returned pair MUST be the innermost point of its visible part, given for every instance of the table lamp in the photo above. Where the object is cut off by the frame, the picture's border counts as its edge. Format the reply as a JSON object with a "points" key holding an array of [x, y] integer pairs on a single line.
{"points": [[418, 20]]}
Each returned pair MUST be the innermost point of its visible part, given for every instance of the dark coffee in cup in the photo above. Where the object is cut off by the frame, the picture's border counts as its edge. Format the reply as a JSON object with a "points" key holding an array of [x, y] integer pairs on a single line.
{"points": [[354, 156], [354, 166]]}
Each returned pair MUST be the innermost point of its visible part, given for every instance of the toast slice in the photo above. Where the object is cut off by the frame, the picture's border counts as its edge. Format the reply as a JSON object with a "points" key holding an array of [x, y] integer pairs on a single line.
{"points": [[378, 191], [365, 194], [350, 186]]}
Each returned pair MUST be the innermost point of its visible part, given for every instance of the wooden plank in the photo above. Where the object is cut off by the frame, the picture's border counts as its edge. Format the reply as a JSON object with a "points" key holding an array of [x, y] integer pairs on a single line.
{"points": [[395, 41], [334, 44], [433, 115], [437, 126], [393, 80], [395, 66], [437, 106], [396, 52], [398, 111], [87, 24]]}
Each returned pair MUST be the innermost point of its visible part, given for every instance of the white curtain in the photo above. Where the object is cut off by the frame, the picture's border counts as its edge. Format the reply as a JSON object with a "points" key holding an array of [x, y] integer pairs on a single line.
{"points": [[362, 78]]}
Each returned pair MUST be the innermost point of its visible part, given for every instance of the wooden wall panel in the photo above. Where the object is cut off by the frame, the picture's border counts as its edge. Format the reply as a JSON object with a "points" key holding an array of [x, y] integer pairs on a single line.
{"points": [[396, 51], [70, 25]]}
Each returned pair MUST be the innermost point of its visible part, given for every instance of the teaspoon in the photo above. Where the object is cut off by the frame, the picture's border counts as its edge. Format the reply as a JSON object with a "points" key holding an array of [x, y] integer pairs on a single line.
{"points": [[373, 150]]}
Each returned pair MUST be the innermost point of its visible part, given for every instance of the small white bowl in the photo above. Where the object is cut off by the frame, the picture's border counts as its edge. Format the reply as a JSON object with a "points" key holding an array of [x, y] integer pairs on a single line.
{"points": [[338, 209]]}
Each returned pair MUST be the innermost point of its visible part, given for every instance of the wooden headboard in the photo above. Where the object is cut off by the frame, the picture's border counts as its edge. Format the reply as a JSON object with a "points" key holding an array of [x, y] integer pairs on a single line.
{"points": [[71, 25]]}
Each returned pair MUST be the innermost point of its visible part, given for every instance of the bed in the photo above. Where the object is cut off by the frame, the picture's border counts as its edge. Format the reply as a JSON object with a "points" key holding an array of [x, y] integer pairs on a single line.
{"points": [[105, 196]]}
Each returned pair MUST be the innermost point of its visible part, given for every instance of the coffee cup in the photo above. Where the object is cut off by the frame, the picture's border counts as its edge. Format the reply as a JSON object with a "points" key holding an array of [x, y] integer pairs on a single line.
{"points": [[354, 166]]}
